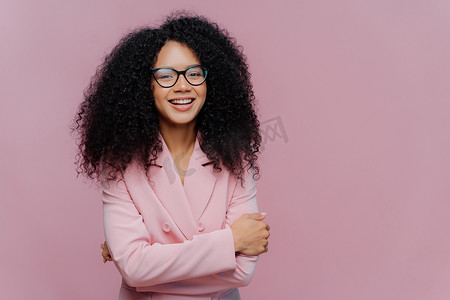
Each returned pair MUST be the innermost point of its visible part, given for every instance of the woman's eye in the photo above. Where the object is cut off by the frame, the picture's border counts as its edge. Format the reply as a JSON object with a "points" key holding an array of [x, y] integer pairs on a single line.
{"points": [[165, 76], [194, 74]]}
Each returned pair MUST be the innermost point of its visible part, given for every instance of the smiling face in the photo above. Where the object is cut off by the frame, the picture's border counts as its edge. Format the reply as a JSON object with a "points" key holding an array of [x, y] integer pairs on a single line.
{"points": [[180, 57]]}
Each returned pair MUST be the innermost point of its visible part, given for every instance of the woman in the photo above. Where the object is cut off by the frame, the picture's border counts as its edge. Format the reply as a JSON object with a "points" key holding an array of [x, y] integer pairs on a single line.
{"points": [[168, 127]]}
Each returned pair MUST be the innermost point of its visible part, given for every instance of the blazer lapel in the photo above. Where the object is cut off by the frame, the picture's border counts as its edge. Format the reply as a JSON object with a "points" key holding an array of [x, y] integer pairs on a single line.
{"points": [[184, 205], [199, 182]]}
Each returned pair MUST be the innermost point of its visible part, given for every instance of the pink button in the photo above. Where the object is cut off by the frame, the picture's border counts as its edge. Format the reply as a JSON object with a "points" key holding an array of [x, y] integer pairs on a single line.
{"points": [[200, 226], [166, 227]]}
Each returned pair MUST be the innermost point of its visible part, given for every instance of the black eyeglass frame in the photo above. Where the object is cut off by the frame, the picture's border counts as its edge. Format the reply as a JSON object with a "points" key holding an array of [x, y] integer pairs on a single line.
{"points": [[205, 71]]}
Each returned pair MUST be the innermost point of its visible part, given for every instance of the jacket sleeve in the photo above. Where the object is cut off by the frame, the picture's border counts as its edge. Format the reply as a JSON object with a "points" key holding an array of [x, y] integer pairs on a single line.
{"points": [[243, 201], [143, 264]]}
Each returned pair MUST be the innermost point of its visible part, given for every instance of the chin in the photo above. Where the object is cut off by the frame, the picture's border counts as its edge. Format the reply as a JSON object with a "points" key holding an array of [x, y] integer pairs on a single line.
{"points": [[179, 121]]}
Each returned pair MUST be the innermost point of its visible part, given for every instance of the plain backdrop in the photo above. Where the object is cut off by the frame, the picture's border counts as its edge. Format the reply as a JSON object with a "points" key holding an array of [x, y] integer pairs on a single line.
{"points": [[354, 102]]}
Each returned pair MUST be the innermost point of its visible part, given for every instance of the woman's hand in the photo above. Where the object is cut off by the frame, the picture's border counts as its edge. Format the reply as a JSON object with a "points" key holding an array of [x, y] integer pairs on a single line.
{"points": [[250, 234], [105, 253]]}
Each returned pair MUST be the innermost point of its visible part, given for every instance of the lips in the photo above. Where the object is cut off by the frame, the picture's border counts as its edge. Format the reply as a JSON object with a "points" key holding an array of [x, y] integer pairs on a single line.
{"points": [[182, 100], [188, 103]]}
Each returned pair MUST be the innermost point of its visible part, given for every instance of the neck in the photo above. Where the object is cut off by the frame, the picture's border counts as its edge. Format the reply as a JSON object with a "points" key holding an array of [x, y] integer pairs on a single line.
{"points": [[179, 138]]}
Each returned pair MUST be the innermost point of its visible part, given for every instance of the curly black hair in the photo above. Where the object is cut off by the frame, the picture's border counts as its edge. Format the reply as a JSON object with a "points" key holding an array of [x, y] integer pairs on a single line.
{"points": [[118, 121]]}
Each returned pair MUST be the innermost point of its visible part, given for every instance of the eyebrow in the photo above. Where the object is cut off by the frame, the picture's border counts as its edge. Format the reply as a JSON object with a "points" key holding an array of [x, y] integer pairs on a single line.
{"points": [[177, 69]]}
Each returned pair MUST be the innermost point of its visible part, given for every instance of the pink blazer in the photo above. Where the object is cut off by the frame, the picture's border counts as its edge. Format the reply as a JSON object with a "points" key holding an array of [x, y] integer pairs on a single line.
{"points": [[175, 241]]}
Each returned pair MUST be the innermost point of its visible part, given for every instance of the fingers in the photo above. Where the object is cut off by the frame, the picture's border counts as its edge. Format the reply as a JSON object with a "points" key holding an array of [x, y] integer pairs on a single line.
{"points": [[266, 246], [103, 246], [266, 236], [106, 258], [262, 249], [257, 216], [105, 253]]}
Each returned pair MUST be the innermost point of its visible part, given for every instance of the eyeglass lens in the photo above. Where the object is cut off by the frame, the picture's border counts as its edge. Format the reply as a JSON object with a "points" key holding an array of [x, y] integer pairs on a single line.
{"points": [[167, 77]]}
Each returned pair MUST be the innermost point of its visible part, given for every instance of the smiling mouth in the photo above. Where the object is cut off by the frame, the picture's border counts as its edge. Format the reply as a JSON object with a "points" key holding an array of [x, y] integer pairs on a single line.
{"points": [[181, 101]]}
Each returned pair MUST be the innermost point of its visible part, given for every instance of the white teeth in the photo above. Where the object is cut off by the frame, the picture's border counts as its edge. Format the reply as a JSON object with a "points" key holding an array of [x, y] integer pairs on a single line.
{"points": [[185, 101]]}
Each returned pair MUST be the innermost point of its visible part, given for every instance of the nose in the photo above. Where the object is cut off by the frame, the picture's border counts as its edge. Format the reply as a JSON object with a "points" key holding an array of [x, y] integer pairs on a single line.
{"points": [[182, 84]]}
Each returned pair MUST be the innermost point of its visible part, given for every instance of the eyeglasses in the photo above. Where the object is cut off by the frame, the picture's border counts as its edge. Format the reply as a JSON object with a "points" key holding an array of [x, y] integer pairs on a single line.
{"points": [[167, 77]]}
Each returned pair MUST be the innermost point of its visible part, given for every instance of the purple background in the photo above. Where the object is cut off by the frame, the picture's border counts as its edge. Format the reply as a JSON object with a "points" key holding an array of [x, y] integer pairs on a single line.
{"points": [[354, 102]]}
